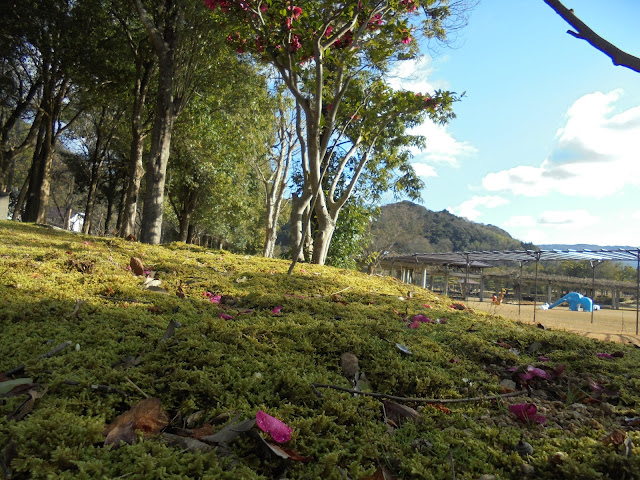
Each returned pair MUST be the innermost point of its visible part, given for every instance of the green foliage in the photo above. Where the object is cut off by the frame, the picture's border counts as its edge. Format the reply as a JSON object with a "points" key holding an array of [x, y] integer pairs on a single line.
{"points": [[409, 228], [262, 361]]}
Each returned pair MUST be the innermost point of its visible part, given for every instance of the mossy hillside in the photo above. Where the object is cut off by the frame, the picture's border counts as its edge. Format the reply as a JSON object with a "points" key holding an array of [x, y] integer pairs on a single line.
{"points": [[262, 361]]}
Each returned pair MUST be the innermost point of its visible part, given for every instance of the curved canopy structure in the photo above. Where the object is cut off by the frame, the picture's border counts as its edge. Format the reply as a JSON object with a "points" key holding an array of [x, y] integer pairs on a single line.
{"points": [[476, 258]]}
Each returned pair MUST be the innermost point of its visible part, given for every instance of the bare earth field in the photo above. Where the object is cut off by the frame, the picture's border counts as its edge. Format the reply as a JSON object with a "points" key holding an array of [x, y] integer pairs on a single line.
{"points": [[613, 325]]}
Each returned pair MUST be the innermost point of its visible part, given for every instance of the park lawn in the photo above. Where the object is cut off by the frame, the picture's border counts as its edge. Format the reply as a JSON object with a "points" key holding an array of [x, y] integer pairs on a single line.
{"points": [[262, 348]]}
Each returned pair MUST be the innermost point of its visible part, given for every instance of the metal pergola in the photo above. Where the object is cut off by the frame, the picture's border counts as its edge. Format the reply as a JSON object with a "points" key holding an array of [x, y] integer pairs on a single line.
{"points": [[594, 257]]}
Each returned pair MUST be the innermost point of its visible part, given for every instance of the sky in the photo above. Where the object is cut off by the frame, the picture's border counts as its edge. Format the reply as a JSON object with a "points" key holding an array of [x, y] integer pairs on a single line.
{"points": [[546, 143]]}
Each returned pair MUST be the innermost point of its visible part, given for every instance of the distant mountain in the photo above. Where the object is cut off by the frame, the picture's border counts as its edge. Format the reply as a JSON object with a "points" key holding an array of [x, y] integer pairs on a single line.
{"points": [[405, 228], [583, 246]]}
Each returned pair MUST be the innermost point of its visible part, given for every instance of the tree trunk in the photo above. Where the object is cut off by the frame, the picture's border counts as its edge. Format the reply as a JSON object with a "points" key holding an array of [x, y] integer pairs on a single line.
{"points": [[299, 204], [322, 238], [136, 169], [164, 44], [185, 219], [21, 197]]}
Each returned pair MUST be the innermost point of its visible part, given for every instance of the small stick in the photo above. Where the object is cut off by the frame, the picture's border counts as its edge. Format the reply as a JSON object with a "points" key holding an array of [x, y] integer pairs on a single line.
{"points": [[339, 291], [453, 466], [420, 400], [58, 349], [136, 387]]}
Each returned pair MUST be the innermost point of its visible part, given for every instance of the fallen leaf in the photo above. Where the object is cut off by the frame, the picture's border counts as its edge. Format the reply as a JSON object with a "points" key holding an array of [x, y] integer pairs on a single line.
{"points": [[136, 266], [180, 292], [188, 443], [278, 451], [403, 349], [616, 438], [157, 289], [382, 473], [225, 316], [350, 365], [398, 413], [9, 453], [231, 431], [26, 406], [278, 430], [147, 415], [170, 331], [8, 385], [439, 406]]}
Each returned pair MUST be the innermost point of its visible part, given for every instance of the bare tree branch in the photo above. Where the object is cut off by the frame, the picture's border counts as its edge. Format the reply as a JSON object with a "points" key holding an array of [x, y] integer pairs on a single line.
{"points": [[617, 56]]}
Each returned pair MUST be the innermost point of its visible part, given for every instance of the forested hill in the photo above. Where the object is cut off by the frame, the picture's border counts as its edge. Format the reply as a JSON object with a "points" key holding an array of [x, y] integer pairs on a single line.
{"points": [[405, 227]]}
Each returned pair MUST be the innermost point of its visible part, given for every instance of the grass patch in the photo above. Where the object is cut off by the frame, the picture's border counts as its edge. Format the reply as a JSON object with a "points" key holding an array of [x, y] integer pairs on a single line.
{"points": [[264, 361]]}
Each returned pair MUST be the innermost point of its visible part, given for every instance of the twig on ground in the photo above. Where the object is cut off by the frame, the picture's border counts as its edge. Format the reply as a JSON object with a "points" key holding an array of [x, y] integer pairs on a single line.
{"points": [[453, 466], [395, 398], [58, 349], [339, 291], [108, 389], [136, 387]]}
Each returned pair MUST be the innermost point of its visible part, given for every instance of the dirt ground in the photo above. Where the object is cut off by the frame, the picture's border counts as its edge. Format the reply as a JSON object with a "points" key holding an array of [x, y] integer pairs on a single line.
{"points": [[613, 325]]}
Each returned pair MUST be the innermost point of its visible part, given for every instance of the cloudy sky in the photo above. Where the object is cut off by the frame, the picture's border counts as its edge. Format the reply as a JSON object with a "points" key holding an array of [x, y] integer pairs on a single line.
{"points": [[547, 140]]}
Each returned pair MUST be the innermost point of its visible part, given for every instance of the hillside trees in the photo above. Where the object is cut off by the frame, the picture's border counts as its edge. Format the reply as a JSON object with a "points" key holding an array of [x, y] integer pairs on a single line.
{"points": [[320, 49]]}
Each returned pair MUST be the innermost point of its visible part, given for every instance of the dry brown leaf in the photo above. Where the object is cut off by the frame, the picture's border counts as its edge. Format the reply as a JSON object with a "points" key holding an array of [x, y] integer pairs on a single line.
{"points": [[136, 266], [147, 415], [26, 406], [188, 443], [617, 438], [204, 430], [398, 413], [350, 365], [382, 473], [439, 406]]}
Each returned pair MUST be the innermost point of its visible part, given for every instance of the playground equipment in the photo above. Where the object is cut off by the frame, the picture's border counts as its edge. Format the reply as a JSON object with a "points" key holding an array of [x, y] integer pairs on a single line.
{"points": [[576, 303]]}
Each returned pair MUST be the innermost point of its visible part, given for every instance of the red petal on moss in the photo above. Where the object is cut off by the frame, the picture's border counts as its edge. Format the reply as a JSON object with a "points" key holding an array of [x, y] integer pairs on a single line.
{"points": [[527, 413], [278, 430]]}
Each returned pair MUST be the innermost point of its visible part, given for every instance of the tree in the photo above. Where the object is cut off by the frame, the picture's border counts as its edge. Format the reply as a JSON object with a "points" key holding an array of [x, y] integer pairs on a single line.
{"points": [[273, 171], [221, 133], [320, 49], [617, 56]]}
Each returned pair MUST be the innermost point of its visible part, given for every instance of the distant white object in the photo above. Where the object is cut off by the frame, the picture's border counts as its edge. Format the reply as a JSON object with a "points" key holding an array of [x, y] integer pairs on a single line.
{"points": [[544, 306], [596, 307], [76, 222]]}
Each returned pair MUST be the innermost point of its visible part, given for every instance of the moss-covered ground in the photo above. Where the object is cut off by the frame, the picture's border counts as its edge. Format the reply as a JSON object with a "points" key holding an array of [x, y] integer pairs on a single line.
{"points": [[261, 360]]}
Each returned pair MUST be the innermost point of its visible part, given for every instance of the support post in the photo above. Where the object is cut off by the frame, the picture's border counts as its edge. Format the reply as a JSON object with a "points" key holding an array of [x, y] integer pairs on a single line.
{"points": [[424, 277]]}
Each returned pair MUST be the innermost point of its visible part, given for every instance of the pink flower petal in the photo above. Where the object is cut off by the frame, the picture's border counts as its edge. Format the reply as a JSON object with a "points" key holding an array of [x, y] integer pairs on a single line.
{"points": [[278, 430], [215, 298], [538, 372], [421, 318], [225, 316], [542, 358], [426, 305], [526, 412], [276, 310], [605, 355], [414, 324]]}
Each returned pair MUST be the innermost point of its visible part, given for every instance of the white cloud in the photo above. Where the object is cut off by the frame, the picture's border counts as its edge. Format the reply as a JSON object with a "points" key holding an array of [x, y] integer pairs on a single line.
{"points": [[575, 227], [569, 218], [424, 170], [470, 208], [442, 147], [519, 221], [635, 215], [596, 154]]}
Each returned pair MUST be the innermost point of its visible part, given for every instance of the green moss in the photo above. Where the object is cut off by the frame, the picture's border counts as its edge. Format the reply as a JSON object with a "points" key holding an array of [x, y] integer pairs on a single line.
{"points": [[262, 361]]}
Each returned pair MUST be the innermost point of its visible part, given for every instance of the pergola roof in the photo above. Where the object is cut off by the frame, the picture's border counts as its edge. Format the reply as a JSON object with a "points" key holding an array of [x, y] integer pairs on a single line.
{"points": [[519, 256]]}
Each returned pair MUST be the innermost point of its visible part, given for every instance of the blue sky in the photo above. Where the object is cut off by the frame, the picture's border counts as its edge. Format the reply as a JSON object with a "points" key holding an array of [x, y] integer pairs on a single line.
{"points": [[546, 143]]}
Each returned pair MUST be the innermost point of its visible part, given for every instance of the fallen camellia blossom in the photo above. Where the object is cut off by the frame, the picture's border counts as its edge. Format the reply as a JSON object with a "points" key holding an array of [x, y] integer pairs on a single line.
{"points": [[414, 324], [605, 355], [278, 430], [212, 298], [421, 319], [276, 310], [527, 413]]}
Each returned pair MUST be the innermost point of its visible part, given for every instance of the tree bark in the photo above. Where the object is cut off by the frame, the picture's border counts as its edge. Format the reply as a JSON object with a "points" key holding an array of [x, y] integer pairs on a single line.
{"points": [[617, 56], [164, 44], [136, 169], [299, 204]]}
